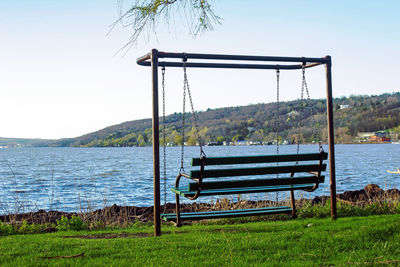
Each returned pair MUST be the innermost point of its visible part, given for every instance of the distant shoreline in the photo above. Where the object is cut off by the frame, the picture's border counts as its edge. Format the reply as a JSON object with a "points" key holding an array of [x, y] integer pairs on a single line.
{"points": [[355, 143]]}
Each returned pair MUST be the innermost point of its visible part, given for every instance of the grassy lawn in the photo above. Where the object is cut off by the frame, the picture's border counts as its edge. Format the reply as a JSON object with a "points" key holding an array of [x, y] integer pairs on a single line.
{"points": [[303, 242]]}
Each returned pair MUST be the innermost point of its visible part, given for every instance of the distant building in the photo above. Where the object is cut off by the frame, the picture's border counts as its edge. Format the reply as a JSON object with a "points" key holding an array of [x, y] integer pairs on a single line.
{"points": [[214, 144], [365, 134], [254, 143], [344, 106], [379, 137], [240, 143], [374, 137], [381, 134]]}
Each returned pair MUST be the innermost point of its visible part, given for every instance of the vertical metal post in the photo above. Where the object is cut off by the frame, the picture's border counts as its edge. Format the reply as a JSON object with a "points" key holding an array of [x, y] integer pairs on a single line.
{"points": [[156, 144], [331, 137], [293, 201]]}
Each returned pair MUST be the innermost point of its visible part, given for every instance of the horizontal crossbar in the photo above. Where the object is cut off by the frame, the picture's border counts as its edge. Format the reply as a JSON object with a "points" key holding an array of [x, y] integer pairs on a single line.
{"points": [[226, 213], [261, 159], [258, 171], [239, 57], [255, 182], [307, 62], [224, 66], [241, 190]]}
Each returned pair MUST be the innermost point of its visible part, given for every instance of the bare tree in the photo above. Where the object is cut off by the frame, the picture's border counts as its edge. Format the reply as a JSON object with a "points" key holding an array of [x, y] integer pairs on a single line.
{"points": [[144, 16]]}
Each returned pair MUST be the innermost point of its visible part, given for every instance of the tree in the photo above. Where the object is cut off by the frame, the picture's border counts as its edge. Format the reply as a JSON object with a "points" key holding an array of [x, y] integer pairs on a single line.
{"points": [[144, 16], [141, 141], [192, 137]]}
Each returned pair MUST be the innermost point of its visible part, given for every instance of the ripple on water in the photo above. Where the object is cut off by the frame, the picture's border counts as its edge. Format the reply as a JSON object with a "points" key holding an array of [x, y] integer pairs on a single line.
{"points": [[124, 175]]}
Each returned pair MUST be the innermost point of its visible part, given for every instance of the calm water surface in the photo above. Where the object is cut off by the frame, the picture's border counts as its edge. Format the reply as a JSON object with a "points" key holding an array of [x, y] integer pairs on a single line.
{"points": [[74, 179]]}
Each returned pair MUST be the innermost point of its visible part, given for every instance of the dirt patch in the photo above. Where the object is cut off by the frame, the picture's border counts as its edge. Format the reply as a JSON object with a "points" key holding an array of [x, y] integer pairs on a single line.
{"points": [[80, 255]]}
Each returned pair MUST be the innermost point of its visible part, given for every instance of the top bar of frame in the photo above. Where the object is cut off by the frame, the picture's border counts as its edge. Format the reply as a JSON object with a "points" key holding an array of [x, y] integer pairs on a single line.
{"points": [[306, 61]]}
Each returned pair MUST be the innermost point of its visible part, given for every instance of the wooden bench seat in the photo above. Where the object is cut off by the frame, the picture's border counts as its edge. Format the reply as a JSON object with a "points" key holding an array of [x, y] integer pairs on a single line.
{"points": [[264, 177], [227, 213]]}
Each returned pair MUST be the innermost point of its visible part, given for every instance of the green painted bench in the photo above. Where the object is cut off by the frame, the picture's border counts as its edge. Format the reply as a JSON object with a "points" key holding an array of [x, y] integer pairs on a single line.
{"points": [[302, 172]]}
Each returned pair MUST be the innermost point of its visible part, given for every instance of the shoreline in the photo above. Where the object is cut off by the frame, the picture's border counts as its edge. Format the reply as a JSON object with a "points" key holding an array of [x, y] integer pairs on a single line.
{"points": [[123, 215], [149, 145]]}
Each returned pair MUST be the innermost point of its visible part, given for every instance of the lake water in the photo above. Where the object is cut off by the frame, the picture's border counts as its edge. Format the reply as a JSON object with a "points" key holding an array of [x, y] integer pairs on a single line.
{"points": [[77, 179]]}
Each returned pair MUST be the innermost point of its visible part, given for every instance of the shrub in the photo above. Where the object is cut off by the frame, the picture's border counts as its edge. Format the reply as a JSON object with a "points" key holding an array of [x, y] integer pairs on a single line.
{"points": [[26, 228], [75, 224], [314, 211], [6, 229]]}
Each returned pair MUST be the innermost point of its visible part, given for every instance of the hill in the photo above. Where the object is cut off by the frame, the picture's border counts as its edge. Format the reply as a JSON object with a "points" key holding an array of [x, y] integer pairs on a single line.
{"points": [[23, 142], [258, 123]]}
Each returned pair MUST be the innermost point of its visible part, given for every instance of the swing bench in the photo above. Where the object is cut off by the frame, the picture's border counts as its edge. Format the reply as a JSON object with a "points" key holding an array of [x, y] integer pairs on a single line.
{"points": [[211, 176], [229, 182]]}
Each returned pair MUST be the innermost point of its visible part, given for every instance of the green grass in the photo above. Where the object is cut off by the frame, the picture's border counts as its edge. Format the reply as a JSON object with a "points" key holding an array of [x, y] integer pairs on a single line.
{"points": [[371, 240]]}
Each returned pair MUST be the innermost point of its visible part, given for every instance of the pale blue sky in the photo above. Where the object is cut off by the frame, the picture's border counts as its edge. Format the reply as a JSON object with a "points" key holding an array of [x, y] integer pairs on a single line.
{"points": [[59, 76]]}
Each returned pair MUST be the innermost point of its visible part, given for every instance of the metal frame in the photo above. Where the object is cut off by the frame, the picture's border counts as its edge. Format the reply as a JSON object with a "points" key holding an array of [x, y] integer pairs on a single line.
{"points": [[152, 59]]}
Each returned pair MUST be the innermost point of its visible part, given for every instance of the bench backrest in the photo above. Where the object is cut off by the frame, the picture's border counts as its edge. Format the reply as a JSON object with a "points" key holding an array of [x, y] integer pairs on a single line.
{"points": [[213, 173], [315, 169]]}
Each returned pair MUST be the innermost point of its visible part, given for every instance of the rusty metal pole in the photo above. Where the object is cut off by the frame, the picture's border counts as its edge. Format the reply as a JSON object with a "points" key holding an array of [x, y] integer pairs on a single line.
{"points": [[156, 145], [331, 136]]}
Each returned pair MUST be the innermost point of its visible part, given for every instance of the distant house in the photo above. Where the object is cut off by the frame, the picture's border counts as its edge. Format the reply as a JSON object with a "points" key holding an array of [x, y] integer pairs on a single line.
{"points": [[374, 137], [240, 143], [344, 106], [379, 137], [365, 134], [381, 134], [214, 144], [254, 143]]}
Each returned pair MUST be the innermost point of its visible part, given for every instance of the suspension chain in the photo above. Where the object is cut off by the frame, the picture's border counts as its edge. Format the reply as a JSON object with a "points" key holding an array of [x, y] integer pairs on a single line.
{"points": [[300, 124], [164, 138], [196, 122], [182, 169], [314, 122], [278, 73], [277, 108]]}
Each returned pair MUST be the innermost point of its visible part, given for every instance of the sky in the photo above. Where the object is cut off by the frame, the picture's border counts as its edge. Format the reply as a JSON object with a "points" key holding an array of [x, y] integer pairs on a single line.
{"points": [[61, 74]]}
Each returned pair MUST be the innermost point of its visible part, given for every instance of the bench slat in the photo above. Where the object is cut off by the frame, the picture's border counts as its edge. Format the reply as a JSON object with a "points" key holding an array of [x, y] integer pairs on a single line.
{"points": [[226, 213], [255, 182], [260, 159], [242, 190], [258, 171]]}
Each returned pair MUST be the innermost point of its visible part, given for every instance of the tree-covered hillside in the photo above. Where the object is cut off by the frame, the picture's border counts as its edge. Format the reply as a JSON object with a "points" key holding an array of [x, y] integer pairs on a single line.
{"points": [[259, 122]]}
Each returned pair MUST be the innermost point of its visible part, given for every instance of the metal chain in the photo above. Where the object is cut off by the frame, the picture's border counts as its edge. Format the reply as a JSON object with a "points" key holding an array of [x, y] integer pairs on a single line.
{"points": [[278, 73], [164, 138], [301, 112], [182, 169], [278, 117], [314, 122], [196, 122]]}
